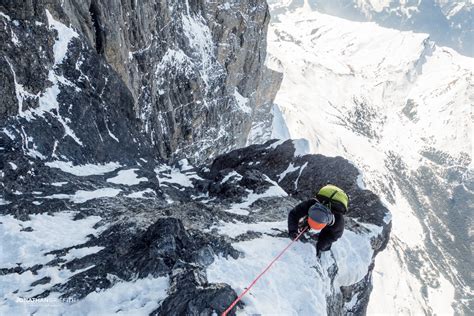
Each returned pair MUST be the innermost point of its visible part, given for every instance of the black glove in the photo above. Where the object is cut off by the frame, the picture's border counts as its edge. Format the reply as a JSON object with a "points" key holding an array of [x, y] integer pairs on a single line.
{"points": [[293, 235]]}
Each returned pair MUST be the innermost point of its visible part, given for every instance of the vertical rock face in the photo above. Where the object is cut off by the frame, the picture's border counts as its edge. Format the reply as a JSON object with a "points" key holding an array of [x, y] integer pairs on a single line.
{"points": [[183, 76]]}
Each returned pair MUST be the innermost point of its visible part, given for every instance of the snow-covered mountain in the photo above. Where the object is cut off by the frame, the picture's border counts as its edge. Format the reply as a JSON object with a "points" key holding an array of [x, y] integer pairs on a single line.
{"points": [[399, 107], [113, 197], [449, 23]]}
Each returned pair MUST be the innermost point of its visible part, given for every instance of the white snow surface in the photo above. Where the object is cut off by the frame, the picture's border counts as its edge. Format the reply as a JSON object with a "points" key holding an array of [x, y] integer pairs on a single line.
{"points": [[127, 177], [57, 231], [82, 196], [242, 102], [50, 232], [244, 207], [297, 278], [47, 99], [415, 95], [139, 297], [274, 293], [279, 128], [181, 175], [141, 194], [81, 252], [84, 170], [59, 184], [65, 35], [291, 168], [233, 174]]}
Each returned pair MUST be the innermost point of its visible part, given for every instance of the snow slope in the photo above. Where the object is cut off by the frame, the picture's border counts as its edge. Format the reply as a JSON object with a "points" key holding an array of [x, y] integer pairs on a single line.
{"points": [[399, 107], [285, 290], [449, 22]]}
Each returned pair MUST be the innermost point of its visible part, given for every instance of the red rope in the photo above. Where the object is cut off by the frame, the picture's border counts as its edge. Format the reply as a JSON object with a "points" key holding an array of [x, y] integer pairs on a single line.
{"points": [[261, 274]]}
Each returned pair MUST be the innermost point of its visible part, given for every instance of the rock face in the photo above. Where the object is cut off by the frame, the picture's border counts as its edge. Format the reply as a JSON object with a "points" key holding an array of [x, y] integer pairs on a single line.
{"points": [[177, 78]]}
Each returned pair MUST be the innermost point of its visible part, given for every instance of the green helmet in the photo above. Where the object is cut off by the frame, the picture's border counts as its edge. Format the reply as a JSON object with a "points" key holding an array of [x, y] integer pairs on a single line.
{"points": [[330, 193]]}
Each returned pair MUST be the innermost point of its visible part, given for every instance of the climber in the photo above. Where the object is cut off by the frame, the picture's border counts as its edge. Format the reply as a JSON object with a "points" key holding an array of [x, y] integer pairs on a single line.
{"points": [[323, 214]]}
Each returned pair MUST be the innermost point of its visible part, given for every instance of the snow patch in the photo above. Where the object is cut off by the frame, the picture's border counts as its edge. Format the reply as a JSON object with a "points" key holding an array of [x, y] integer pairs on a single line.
{"points": [[76, 253], [50, 232], [127, 177], [291, 168], [58, 184], [141, 194], [243, 207], [353, 254], [83, 170], [282, 293], [111, 134], [184, 165], [279, 128], [360, 182], [230, 175], [276, 144], [65, 35], [299, 175], [236, 228], [47, 100], [242, 102], [200, 40], [140, 297], [82, 196], [278, 292], [5, 16], [301, 147], [10, 135], [172, 175]]}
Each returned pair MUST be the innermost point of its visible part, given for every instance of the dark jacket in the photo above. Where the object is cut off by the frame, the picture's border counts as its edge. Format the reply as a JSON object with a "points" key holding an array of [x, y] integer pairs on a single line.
{"points": [[328, 234]]}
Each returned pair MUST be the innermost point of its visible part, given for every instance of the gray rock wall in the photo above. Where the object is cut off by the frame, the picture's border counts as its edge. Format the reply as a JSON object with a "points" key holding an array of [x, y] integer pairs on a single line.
{"points": [[186, 76]]}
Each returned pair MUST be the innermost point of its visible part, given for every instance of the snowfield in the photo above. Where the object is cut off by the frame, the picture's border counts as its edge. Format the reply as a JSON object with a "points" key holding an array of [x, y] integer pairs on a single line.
{"points": [[399, 107], [298, 283]]}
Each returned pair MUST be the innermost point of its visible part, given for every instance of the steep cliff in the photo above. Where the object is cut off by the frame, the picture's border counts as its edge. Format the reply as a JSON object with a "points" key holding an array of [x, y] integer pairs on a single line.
{"points": [[177, 78]]}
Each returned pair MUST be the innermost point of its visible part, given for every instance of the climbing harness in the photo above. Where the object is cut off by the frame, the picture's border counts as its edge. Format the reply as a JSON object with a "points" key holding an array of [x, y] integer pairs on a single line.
{"points": [[261, 274]]}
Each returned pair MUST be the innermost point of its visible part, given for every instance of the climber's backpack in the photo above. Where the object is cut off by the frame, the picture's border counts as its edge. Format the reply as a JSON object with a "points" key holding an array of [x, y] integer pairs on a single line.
{"points": [[334, 198]]}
